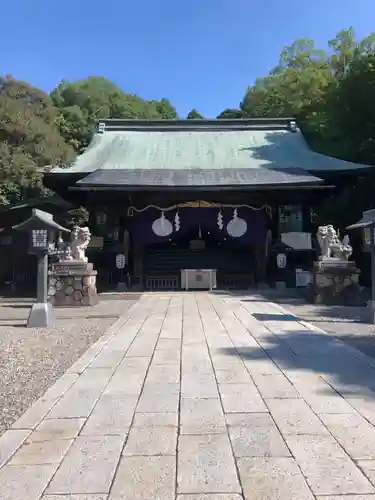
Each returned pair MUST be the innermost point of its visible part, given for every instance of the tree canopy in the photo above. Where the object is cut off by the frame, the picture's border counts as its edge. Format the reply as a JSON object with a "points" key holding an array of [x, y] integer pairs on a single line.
{"points": [[83, 102], [194, 115], [230, 114], [30, 140], [328, 92], [38, 130]]}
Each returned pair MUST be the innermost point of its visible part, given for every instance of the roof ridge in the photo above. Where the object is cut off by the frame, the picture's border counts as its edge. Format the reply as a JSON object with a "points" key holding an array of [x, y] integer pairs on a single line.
{"points": [[119, 124]]}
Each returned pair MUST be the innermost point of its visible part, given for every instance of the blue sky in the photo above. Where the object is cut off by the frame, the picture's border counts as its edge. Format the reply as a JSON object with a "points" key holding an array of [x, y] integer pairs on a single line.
{"points": [[197, 53]]}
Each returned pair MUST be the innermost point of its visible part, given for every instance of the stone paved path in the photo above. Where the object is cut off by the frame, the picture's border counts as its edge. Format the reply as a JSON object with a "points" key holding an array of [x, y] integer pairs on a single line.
{"points": [[201, 397]]}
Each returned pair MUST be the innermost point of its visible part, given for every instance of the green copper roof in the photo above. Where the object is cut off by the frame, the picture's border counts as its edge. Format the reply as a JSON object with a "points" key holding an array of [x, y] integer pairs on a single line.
{"points": [[201, 144]]}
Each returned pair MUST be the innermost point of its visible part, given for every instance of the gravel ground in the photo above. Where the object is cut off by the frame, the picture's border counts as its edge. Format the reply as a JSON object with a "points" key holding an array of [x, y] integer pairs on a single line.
{"points": [[31, 360]]}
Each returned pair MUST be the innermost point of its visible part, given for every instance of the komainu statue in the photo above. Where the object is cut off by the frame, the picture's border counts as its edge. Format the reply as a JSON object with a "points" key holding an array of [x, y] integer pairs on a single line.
{"points": [[330, 245], [81, 237]]}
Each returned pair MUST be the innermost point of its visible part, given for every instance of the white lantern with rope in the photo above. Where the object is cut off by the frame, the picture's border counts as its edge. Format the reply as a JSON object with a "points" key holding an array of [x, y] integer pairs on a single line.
{"points": [[162, 227], [237, 227]]}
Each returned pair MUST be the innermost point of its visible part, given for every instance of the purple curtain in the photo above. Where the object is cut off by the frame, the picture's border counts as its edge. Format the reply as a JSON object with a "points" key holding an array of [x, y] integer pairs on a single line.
{"points": [[205, 217]]}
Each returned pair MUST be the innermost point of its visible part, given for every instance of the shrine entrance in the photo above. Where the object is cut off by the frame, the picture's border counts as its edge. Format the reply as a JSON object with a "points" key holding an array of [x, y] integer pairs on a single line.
{"points": [[198, 235]]}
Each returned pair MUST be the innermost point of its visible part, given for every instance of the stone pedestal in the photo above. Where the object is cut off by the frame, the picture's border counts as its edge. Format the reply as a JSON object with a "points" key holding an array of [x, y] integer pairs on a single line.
{"points": [[334, 282], [72, 283], [41, 316]]}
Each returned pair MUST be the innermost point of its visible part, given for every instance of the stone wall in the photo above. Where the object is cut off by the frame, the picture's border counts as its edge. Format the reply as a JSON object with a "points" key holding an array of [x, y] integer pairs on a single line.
{"points": [[72, 285], [334, 284]]}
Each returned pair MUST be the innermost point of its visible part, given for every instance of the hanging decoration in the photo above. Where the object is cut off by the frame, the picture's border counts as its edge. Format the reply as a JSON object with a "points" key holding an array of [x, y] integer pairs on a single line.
{"points": [[220, 223], [313, 216], [133, 210], [162, 226], [177, 222], [236, 227], [199, 223], [268, 242]]}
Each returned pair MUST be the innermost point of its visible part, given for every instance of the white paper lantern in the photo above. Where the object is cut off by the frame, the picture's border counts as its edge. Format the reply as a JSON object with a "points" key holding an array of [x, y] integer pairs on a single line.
{"points": [[237, 227], [120, 261], [281, 260], [162, 226]]}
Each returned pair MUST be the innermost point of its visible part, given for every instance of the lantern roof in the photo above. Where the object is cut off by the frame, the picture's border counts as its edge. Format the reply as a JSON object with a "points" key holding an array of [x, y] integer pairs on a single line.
{"points": [[368, 218], [40, 220]]}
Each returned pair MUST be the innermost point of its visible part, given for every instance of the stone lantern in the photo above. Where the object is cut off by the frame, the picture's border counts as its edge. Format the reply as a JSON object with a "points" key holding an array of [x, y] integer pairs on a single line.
{"points": [[41, 229]]}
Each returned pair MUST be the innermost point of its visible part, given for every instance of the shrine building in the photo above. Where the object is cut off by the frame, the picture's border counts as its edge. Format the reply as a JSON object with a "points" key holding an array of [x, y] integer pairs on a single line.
{"points": [[236, 196]]}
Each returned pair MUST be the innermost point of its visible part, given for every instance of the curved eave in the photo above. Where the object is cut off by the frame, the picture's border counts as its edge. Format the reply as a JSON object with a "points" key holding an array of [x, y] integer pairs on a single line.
{"points": [[358, 169], [224, 178], [203, 188]]}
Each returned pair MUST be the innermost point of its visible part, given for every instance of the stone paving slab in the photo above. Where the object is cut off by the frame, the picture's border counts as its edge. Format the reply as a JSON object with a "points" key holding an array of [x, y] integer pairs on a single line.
{"points": [[255, 435], [347, 497], [206, 465], [326, 466], [89, 466], [145, 478], [201, 416], [74, 497], [201, 396], [273, 478], [210, 497], [25, 481]]}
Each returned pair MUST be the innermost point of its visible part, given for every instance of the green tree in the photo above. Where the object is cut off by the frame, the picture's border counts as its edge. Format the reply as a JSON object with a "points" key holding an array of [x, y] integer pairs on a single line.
{"points": [[194, 115], [30, 140], [331, 96], [344, 48], [342, 123], [165, 109], [299, 80], [83, 103], [230, 114], [300, 55], [75, 217]]}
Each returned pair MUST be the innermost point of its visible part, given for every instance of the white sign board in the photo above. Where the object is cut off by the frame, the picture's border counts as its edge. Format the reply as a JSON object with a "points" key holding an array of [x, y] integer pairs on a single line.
{"points": [[297, 240], [303, 278], [120, 261], [281, 260]]}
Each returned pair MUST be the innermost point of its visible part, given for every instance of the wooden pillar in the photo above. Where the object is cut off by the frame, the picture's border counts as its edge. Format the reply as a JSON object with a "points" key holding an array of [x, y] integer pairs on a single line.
{"points": [[260, 261], [138, 263]]}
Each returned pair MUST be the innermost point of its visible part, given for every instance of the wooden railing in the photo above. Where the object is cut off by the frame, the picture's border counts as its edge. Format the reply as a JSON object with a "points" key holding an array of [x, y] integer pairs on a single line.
{"points": [[162, 282], [235, 281], [227, 281]]}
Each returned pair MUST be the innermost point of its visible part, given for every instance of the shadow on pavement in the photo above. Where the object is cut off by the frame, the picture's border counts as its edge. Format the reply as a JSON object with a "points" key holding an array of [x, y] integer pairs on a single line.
{"points": [[275, 317], [296, 301], [315, 352]]}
